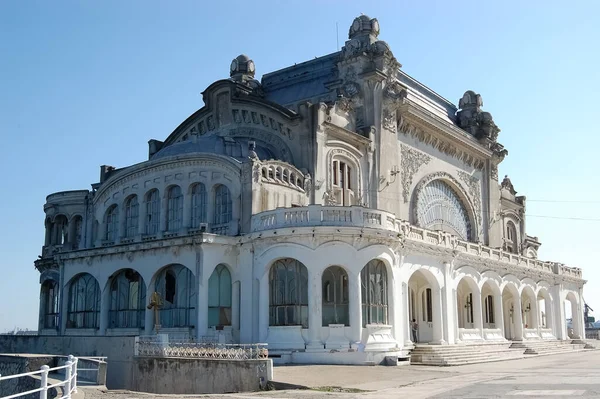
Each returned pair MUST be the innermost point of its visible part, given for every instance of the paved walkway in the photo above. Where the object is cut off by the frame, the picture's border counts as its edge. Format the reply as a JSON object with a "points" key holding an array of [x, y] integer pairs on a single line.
{"points": [[571, 375]]}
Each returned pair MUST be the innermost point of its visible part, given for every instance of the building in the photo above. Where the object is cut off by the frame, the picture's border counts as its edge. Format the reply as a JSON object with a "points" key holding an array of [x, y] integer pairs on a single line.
{"points": [[319, 210]]}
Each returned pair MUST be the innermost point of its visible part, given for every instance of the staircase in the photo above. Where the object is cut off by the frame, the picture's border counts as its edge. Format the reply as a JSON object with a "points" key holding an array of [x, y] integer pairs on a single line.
{"points": [[455, 355], [548, 347]]}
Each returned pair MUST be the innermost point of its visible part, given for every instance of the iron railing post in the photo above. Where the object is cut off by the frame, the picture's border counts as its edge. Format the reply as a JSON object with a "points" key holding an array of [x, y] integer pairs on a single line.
{"points": [[75, 361], [67, 393], [44, 382]]}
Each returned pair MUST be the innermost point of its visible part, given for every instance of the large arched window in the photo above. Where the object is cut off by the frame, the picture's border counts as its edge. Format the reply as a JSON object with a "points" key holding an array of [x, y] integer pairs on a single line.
{"points": [[288, 299], [222, 213], [127, 300], [175, 286], [374, 293], [132, 211], [440, 208], [111, 221], [174, 208], [198, 205], [49, 304], [335, 296], [219, 297], [84, 302], [152, 212]]}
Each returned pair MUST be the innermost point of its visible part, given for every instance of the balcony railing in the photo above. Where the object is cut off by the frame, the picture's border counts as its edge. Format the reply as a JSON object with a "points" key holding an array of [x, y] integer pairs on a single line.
{"points": [[356, 216]]}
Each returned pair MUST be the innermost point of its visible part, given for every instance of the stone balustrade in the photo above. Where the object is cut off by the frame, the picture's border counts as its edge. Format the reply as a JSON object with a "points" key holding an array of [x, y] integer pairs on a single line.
{"points": [[356, 216], [282, 173]]}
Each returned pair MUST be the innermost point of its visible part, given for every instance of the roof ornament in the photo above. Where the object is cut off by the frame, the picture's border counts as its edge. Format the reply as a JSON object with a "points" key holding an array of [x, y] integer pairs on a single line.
{"points": [[475, 121], [507, 185], [242, 70]]}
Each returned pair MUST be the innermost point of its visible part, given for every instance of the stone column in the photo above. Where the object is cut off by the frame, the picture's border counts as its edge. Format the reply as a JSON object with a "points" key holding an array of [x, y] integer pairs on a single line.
{"points": [[518, 319], [187, 211], [149, 313], [407, 319], [559, 313], [314, 310], [580, 314], [447, 308], [104, 308], [454, 304], [549, 315], [246, 301], [162, 225], [263, 312], [201, 296], [438, 319], [355, 308], [477, 312], [499, 314]]}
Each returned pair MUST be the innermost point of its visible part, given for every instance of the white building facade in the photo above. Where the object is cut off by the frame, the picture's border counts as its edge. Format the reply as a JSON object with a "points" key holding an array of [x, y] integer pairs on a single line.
{"points": [[319, 210]]}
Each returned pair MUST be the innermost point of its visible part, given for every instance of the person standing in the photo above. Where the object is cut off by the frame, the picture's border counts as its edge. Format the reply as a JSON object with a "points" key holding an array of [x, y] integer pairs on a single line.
{"points": [[414, 328]]}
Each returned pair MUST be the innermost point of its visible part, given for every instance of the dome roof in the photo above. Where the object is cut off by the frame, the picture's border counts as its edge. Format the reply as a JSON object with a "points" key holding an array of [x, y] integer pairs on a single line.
{"points": [[233, 147]]}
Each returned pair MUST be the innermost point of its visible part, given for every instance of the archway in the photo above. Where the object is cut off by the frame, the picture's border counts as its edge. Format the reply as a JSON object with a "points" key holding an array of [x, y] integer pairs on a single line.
{"points": [[175, 287], [84, 302], [468, 302], [511, 304], [529, 313], [288, 299], [491, 298], [424, 307], [574, 328], [335, 298], [127, 300], [545, 315]]}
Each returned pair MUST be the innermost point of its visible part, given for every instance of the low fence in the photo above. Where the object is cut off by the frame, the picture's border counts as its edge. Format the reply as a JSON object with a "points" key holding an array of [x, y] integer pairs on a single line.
{"points": [[69, 383], [162, 346]]}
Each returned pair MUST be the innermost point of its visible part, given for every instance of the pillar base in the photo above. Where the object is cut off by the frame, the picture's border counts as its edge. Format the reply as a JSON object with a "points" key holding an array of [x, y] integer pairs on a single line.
{"points": [[438, 342]]}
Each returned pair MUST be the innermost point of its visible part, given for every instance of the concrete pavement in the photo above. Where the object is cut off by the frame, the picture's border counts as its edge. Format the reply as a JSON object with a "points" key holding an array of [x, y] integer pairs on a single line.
{"points": [[573, 375]]}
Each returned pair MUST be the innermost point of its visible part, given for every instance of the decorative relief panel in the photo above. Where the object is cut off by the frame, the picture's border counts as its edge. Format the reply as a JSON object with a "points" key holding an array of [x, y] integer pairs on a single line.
{"points": [[474, 186], [410, 162], [405, 127]]}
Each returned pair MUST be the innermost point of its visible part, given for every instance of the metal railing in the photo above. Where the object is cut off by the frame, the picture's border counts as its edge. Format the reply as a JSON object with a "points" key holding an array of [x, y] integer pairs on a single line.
{"points": [[69, 383]]}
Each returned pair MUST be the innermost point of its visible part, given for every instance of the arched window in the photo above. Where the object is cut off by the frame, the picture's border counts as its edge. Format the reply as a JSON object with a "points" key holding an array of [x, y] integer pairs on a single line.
{"points": [[374, 293], [511, 237], [174, 209], [112, 223], [288, 299], [61, 233], [132, 211], [343, 176], [427, 303], [127, 300], [49, 304], [219, 297], [489, 309], [175, 286], [440, 208], [222, 214], [335, 296], [84, 302], [198, 205], [469, 307], [77, 222], [152, 212]]}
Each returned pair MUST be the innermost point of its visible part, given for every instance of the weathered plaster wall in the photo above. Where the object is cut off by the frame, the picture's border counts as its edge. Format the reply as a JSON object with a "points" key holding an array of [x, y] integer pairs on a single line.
{"points": [[196, 376]]}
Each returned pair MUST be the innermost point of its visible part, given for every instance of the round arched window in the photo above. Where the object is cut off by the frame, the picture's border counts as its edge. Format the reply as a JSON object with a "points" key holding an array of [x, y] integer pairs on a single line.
{"points": [[440, 208]]}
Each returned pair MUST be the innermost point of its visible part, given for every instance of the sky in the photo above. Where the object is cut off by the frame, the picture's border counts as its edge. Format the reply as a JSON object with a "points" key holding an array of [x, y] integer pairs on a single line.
{"points": [[87, 83]]}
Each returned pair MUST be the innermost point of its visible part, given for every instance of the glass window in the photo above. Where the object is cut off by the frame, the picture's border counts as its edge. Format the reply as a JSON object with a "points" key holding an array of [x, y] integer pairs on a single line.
{"points": [[127, 300], [131, 217], [335, 296], [50, 304], [152, 212], [84, 302], [175, 286], [174, 209], [222, 213], [198, 205], [374, 294], [112, 223], [288, 300], [219, 297]]}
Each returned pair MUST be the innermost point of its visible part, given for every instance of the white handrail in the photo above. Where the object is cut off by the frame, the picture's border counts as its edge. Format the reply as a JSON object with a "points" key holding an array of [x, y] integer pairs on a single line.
{"points": [[70, 381]]}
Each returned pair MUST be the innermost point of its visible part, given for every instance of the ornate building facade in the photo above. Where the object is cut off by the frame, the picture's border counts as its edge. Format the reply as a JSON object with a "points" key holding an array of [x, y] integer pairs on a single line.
{"points": [[319, 210]]}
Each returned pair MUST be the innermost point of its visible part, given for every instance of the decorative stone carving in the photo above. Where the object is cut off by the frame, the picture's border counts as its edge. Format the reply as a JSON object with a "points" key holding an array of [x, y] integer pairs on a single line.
{"points": [[475, 121], [474, 186], [389, 120], [407, 128], [308, 186], [507, 185], [410, 162], [494, 173], [329, 198]]}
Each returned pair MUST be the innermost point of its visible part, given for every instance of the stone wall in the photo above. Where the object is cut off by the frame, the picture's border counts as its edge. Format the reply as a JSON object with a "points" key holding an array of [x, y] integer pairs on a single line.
{"points": [[118, 350], [198, 376], [12, 365]]}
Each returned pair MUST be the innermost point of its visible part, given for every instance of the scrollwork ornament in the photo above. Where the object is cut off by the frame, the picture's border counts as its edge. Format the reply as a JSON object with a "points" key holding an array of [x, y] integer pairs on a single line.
{"points": [[410, 162]]}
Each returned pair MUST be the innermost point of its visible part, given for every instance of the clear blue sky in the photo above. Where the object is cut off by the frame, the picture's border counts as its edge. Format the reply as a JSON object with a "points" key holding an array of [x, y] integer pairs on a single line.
{"points": [[85, 83]]}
